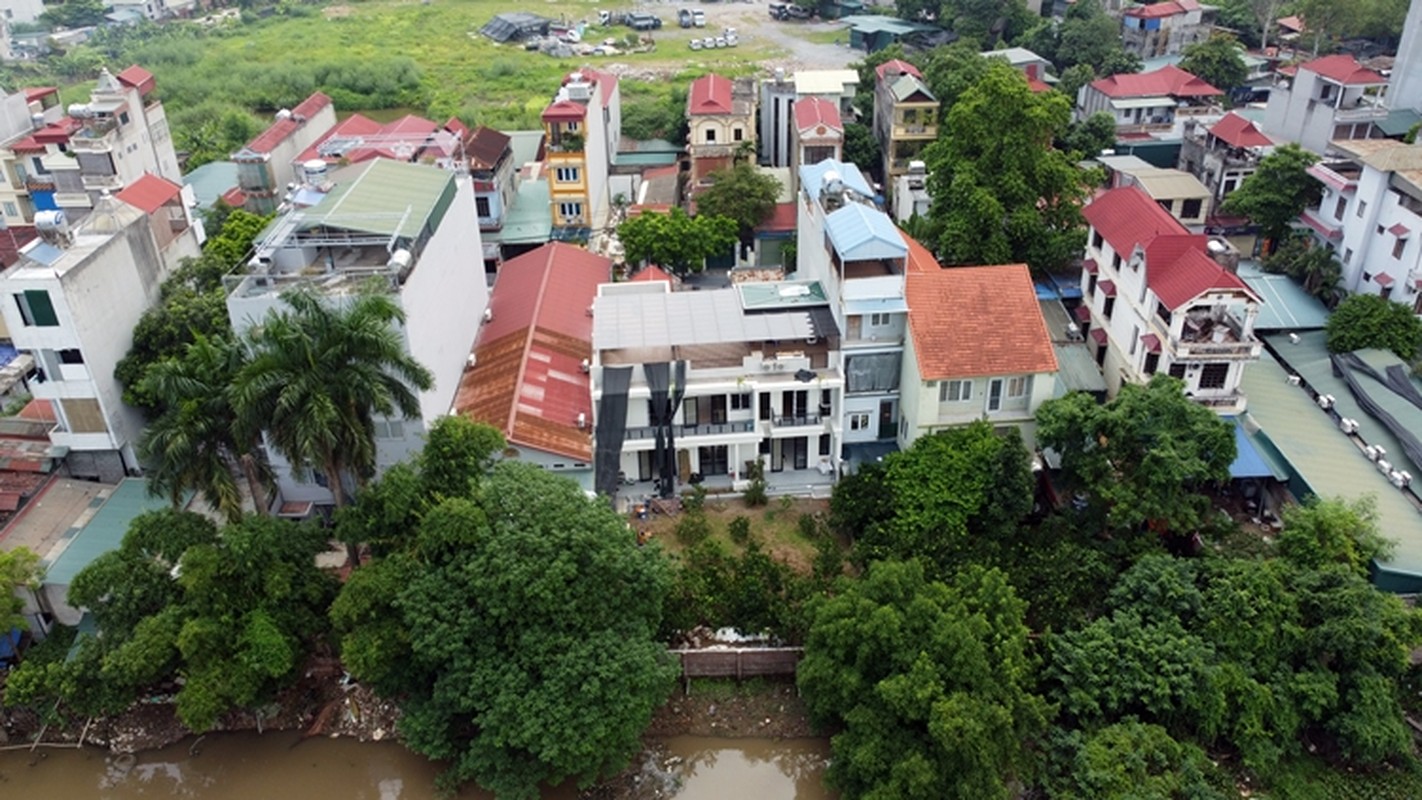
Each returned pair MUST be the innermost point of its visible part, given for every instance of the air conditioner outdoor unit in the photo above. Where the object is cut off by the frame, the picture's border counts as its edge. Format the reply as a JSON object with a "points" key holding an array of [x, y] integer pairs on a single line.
{"points": [[1384, 466], [582, 420], [1295, 380], [586, 365]]}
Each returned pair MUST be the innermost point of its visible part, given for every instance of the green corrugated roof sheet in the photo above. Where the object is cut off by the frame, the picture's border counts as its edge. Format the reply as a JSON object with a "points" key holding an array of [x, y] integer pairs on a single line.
{"points": [[1327, 463], [105, 530], [529, 219], [1287, 307], [1399, 121], [389, 198]]}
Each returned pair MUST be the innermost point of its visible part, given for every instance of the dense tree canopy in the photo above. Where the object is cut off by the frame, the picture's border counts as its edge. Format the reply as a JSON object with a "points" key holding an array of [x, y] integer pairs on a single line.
{"points": [[1218, 61], [676, 241], [516, 627], [929, 684], [1368, 320], [19, 570], [1277, 192], [1142, 457], [1001, 193], [1088, 138], [742, 194], [1312, 265]]}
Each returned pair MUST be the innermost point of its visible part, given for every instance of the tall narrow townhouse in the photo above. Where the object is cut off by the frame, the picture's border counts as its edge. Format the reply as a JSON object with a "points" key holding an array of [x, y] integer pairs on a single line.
{"points": [[582, 126], [26, 121], [905, 116], [1326, 99], [411, 231], [852, 249], [264, 165], [819, 135], [780, 94], [1370, 215], [72, 301], [721, 113], [1155, 300]]}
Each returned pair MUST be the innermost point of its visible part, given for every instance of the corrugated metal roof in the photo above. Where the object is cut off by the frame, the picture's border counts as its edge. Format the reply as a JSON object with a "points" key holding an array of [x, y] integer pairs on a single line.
{"points": [[812, 177], [1326, 461], [104, 531], [1286, 305], [669, 319], [529, 219], [825, 81], [387, 198], [860, 233]]}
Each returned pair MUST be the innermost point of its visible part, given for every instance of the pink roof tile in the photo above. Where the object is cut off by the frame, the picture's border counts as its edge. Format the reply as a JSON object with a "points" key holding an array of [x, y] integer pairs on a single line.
{"points": [[811, 112], [1169, 80], [710, 94], [651, 273], [1344, 69], [896, 65], [149, 193], [267, 140], [564, 111], [1239, 132], [1167, 9]]}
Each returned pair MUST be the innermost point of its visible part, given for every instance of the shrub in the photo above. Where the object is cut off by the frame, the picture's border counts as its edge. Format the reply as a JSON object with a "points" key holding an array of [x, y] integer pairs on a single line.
{"points": [[692, 529], [694, 500], [740, 530]]}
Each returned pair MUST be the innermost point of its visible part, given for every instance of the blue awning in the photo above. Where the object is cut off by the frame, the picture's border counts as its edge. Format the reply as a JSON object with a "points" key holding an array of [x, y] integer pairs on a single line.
{"points": [[1248, 462]]}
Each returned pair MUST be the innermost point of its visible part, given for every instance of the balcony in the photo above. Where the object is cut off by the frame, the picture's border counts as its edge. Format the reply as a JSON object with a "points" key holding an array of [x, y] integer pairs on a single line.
{"points": [[1224, 404], [1331, 231], [796, 421], [1367, 108], [915, 132], [1216, 340], [1339, 176], [112, 183], [683, 431]]}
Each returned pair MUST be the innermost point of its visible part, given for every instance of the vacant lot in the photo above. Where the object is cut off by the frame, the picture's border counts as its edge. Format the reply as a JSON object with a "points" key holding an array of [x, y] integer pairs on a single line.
{"points": [[775, 526]]}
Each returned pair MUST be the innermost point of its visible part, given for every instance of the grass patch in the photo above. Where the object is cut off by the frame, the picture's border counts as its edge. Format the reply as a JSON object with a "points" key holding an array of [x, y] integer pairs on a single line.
{"points": [[776, 526], [1314, 779], [837, 36]]}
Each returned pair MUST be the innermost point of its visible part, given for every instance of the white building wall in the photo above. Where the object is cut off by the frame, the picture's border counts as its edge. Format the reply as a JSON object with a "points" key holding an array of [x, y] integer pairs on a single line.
{"points": [[1405, 84], [22, 10], [1367, 244]]}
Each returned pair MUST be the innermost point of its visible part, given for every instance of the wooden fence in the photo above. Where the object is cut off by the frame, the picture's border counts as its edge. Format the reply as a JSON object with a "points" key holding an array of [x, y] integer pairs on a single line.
{"points": [[737, 662]]}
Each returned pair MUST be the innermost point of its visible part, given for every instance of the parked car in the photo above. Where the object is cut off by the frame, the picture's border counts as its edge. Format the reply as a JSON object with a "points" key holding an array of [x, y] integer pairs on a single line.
{"points": [[639, 21], [695, 44], [698, 17], [799, 12], [684, 18], [779, 10], [720, 41], [709, 42], [732, 40]]}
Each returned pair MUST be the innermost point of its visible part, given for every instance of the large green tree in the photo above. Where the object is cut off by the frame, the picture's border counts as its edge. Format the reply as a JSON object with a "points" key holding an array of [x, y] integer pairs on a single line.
{"points": [[1088, 35], [986, 22], [1001, 193], [1314, 266], [198, 439], [517, 631], [1368, 320], [1130, 761], [1218, 61], [19, 570], [320, 370], [1275, 195], [1143, 457], [676, 241], [928, 684], [741, 193]]}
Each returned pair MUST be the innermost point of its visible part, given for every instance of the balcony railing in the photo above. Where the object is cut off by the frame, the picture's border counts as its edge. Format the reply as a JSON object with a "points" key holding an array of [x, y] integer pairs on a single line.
{"points": [[682, 431], [1228, 402], [915, 131], [796, 421], [111, 182], [1217, 350]]}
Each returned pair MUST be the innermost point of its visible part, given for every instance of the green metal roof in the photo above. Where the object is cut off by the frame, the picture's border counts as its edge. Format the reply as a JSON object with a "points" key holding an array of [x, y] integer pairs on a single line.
{"points": [[1323, 461], [781, 294], [387, 198], [1286, 307], [529, 219], [1077, 370], [874, 23], [1399, 121], [645, 158], [104, 531], [524, 145], [210, 181]]}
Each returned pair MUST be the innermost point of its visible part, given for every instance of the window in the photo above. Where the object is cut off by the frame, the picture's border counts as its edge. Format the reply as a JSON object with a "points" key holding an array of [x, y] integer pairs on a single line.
{"points": [[1116, 262], [1212, 376], [566, 174], [737, 134], [1340, 208], [994, 400], [572, 212], [1397, 247], [123, 118], [1362, 206], [1347, 255], [824, 444], [1177, 370], [11, 210], [714, 460], [1230, 185], [1135, 337], [389, 429], [878, 320], [481, 204], [1191, 209], [1096, 239], [741, 402], [1152, 363], [710, 135], [571, 127], [36, 308], [1108, 307], [1091, 286], [765, 406], [718, 409], [955, 391], [40, 168], [1019, 387], [691, 411], [71, 356], [859, 421]]}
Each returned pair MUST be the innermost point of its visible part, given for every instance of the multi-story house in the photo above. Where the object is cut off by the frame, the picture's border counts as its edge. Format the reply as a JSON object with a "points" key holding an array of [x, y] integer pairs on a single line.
{"points": [[1158, 302], [851, 248], [1165, 28], [778, 96], [30, 120], [265, 164], [1153, 104], [583, 126], [1370, 215], [910, 193], [978, 347], [409, 229], [491, 165], [72, 301], [22, 10], [905, 116], [819, 134], [1404, 87], [1032, 66], [529, 374], [721, 115], [1177, 191], [1323, 100], [119, 136], [698, 386], [1222, 155]]}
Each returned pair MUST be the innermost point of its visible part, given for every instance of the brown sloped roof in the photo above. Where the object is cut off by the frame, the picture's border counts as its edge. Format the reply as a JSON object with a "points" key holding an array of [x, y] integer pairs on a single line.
{"points": [[970, 322]]}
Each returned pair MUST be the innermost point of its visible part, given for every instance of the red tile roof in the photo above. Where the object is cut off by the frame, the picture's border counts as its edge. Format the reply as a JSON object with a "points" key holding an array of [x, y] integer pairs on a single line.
{"points": [[234, 197], [1167, 9], [605, 80], [1344, 69], [12, 240], [564, 111], [1127, 216], [527, 378], [650, 273], [267, 140], [34, 93], [811, 112], [485, 147], [782, 218], [971, 322], [896, 65], [920, 259], [1239, 132], [401, 140], [710, 94], [1292, 23], [42, 410], [1037, 86], [1168, 80], [137, 77], [149, 193]]}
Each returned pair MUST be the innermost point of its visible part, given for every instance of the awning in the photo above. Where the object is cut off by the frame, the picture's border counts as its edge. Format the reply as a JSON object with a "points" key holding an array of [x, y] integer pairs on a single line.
{"points": [[1082, 313], [1099, 336], [1151, 343], [1399, 230], [1383, 279], [1248, 461], [1090, 266], [1107, 288]]}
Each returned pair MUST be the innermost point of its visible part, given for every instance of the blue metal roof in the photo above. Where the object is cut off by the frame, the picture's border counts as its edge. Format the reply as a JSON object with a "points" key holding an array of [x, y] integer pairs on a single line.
{"points": [[812, 177], [1248, 461], [860, 233]]}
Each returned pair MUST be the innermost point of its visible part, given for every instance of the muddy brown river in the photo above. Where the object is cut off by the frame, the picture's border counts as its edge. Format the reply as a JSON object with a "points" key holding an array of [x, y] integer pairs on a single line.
{"points": [[281, 765]]}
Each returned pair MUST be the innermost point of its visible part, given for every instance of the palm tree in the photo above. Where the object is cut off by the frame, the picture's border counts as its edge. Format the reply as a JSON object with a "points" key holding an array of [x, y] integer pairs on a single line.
{"points": [[318, 374], [192, 445]]}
